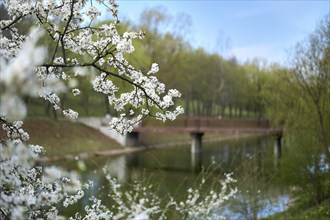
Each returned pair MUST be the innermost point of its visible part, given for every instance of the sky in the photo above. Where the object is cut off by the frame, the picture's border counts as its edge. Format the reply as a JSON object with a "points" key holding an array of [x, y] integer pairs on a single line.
{"points": [[244, 29]]}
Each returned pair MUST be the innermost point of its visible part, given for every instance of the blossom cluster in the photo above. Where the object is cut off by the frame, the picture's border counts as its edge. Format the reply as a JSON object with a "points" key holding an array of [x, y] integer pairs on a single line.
{"points": [[201, 206], [140, 201], [14, 131], [28, 191], [78, 42], [143, 203]]}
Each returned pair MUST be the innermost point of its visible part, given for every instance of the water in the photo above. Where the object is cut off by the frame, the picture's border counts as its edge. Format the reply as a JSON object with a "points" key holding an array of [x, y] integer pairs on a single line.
{"points": [[174, 170]]}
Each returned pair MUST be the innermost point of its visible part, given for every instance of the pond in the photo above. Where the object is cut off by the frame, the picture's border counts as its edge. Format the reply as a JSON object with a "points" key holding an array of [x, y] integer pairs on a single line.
{"points": [[175, 169]]}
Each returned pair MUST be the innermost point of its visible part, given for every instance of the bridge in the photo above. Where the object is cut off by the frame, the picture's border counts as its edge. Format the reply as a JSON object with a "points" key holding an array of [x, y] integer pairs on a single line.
{"points": [[197, 127], [194, 126]]}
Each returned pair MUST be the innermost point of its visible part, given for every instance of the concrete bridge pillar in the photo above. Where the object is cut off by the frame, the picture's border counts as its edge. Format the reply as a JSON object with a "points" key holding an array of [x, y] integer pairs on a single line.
{"points": [[277, 150], [196, 144], [132, 139]]}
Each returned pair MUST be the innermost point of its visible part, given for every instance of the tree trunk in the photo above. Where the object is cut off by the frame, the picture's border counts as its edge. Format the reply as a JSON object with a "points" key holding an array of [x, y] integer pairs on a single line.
{"points": [[85, 103], [187, 106], [230, 111], [323, 134], [46, 108], [223, 111], [240, 112], [106, 104]]}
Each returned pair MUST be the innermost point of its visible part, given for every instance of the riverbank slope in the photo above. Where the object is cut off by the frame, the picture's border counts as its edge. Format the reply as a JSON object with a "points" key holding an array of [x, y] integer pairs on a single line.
{"points": [[64, 137]]}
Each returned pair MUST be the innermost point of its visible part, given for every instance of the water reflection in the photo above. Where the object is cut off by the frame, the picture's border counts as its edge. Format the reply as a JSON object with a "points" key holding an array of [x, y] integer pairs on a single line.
{"points": [[118, 168], [174, 170], [196, 161]]}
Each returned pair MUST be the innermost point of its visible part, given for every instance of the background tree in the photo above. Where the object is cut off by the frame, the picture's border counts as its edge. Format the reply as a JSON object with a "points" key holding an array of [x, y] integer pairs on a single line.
{"points": [[298, 99], [311, 69]]}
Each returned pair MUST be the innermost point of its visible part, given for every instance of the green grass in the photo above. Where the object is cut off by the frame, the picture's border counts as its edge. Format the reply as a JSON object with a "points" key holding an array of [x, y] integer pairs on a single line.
{"points": [[63, 137], [37, 107]]}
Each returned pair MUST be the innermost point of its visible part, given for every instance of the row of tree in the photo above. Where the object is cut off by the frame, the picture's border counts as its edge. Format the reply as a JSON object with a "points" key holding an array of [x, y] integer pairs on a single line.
{"points": [[211, 85]]}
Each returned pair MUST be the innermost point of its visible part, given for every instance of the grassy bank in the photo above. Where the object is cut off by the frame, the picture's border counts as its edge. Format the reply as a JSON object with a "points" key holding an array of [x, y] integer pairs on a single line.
{"points": [[63, 137]]}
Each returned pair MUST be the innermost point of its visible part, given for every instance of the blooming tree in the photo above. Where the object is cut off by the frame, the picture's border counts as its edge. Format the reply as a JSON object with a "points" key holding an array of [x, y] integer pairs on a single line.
{"points": [[31, 69], [70, 27]]}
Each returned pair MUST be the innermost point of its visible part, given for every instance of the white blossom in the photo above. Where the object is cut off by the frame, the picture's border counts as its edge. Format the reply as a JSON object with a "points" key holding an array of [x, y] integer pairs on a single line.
{"points": [[75, 92], [70, 113], [93, 12], [102, 84], [154, 69], [15, 132]]}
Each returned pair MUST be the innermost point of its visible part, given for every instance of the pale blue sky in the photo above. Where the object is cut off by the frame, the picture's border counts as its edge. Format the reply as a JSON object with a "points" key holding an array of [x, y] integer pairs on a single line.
{"points": [[266, 29]]}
